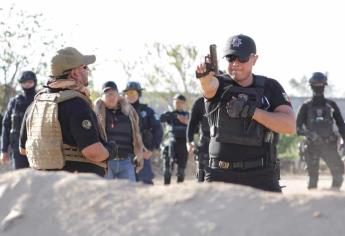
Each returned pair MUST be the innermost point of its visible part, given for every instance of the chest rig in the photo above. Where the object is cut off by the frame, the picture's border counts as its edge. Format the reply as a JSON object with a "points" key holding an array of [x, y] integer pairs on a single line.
{"points": [[320, 119], [243, 131]]}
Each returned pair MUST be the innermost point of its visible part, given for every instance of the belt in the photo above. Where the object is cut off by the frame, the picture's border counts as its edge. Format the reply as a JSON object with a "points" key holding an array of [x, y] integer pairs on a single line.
{"points": [[121, 158], [243, 165]]}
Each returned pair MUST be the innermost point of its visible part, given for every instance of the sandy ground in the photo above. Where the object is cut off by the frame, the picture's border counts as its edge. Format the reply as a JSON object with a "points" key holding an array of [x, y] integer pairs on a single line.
{"points": [[60, 203], [298, 184]]}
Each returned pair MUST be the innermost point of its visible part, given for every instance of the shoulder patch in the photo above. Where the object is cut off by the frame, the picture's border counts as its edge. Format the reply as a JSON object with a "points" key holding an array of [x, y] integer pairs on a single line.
{"points": [[143, 114], [86, 124]]}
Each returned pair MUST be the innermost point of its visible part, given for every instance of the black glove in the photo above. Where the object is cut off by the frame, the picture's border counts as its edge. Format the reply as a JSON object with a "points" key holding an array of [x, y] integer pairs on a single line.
{"points": [[240, 108], [111, 146]]}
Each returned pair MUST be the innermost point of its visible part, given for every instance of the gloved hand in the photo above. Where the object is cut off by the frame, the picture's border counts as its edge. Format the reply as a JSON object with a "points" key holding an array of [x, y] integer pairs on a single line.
{"points": [[111, 146], [240, 108]]}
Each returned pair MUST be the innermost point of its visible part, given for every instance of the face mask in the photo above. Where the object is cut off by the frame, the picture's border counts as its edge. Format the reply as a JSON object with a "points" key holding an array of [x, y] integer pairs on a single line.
{"points": [[318, 91]]}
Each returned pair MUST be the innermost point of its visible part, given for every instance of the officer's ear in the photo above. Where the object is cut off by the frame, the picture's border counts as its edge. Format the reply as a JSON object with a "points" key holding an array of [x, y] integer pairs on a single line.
{"points": [[74, 73], [255, 57]]}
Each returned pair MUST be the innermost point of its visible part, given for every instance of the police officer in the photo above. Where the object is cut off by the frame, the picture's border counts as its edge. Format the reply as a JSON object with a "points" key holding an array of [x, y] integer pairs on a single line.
{"points": [[150, 127], [245, 112], [315, 120], [61, 131], [13, 119], [176, 151], [197, 120]]}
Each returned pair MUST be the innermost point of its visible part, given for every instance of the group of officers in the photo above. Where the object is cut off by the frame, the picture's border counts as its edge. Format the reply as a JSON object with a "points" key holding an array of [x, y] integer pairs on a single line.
{"points": [[239, 118]]}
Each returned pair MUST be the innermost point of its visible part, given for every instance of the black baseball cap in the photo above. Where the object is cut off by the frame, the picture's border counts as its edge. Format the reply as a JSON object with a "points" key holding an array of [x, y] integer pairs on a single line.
{"points": [[240, 45], [109, 85], [179, 97]]}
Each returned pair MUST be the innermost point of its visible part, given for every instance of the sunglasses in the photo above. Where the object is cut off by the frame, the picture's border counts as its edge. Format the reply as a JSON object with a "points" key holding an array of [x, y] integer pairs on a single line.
{"points": [[232, 58], [110, 93], [85, 67], [131, 92]]}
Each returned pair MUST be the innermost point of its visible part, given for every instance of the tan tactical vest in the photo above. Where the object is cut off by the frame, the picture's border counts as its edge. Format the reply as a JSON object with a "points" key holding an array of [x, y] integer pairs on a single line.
{"points": [[44, 145]]}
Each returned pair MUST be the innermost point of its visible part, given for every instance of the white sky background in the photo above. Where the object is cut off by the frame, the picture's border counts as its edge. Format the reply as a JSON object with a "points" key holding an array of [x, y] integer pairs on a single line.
{"points": [[294, 38]]}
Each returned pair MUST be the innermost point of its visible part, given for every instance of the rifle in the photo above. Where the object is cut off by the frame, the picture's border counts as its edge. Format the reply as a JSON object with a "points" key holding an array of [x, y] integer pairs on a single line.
{"points": [[211, 62]]}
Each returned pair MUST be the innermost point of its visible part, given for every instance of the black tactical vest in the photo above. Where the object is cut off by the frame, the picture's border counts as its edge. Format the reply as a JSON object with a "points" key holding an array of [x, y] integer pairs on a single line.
{"points": [[243, 131], [119, 128], [320, 119], [177, 129]]}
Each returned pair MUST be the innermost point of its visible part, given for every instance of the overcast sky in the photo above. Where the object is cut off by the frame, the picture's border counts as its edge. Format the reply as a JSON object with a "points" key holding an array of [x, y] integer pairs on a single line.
{"points": [[294, 38]]}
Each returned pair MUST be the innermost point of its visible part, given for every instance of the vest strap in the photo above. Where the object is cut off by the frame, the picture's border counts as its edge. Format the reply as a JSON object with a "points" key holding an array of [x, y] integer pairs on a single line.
{"points": [[72, 153]]}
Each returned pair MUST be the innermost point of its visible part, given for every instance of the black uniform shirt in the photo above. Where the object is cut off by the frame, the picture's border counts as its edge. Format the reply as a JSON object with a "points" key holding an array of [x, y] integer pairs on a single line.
{"points": [[317, 101], [177, 129], [274, 96], [78, 123], [79, 128], [15, 108], [149, 122], [198, 120]]}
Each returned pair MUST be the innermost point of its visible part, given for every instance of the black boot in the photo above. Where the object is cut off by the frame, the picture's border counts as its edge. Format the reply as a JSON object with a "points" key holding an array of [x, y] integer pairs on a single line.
{"points": [[180, 175], [200, 175], [180, 179], [167, 179]]}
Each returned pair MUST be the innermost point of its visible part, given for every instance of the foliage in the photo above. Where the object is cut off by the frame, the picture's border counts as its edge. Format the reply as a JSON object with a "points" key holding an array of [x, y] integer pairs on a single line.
{"points": [[24, 41], [288, 146], [302, 88], [168, 69], [173, 68]]}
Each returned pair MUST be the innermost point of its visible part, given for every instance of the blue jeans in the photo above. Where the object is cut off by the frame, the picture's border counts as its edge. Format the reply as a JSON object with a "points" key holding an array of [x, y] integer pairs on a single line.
{"points": [[121, 169], [146, 174]]}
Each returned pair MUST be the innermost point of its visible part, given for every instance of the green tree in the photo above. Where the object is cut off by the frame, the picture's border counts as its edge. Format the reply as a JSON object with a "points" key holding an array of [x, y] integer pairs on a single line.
{"points": [[131, 68], [302, 88], [24, 41], [166, 70], [288, 146], [172, 69]]}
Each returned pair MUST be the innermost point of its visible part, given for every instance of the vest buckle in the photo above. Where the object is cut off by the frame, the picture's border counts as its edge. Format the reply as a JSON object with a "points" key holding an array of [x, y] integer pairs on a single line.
{"points": [[223, 164]]}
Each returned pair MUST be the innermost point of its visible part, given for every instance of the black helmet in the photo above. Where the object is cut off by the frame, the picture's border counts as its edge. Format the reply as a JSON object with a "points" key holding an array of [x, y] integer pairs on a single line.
{"points": [[133, 85], [27, 75], [179, 97], [318, 78]]}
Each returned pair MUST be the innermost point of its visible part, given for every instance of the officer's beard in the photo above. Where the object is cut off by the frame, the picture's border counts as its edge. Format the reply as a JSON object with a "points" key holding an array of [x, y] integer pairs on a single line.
{"points": [[318, 91]]}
